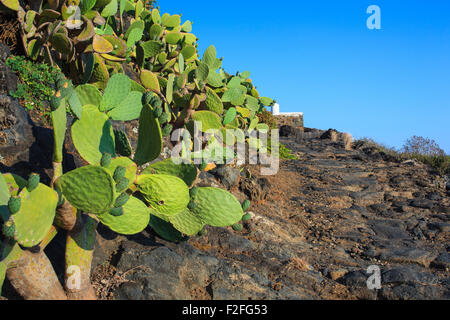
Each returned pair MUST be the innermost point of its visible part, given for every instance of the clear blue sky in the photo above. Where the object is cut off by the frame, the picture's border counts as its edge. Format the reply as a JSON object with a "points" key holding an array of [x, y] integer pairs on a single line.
{"points": [[318, 57]]}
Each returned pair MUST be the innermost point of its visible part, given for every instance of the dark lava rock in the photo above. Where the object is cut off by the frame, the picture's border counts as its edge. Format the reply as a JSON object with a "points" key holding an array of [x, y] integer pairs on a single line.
{"points": [[228, 176], [422, 203], [286, 131], [406, 274], [442, 261]]}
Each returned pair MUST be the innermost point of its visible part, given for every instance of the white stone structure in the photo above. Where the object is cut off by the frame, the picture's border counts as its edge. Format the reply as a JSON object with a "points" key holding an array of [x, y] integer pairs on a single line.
{"points": [[276, 112]]}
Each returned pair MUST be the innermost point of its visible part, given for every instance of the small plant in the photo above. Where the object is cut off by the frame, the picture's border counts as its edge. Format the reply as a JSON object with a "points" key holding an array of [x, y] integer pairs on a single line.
{"points": [[422, 146], [36, 83]]}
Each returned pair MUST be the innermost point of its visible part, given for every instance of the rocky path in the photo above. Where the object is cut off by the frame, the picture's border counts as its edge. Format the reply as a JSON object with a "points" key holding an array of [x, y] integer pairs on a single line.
{"points": [[318, 225]]}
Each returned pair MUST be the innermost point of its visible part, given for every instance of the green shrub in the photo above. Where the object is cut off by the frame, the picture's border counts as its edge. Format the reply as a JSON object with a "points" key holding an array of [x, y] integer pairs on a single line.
{"points": [[35, 88]]}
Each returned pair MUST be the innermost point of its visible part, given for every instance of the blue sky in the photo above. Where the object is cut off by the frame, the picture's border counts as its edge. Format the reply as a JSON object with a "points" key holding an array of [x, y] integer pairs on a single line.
{"points": [[318, 57]]}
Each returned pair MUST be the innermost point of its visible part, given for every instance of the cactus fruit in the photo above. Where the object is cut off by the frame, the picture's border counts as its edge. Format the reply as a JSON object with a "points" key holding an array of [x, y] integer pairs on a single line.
{"points": [[166, 130], [119, 173], [122, 185], [123, 146], [237, 227], [246, 217], [9, 229], [157, 112], [33, 181], [121, 200], [246, 205], [163, 118], [14, 204], [130, 170], [193, 192], [167, 195], [105, 160], [116, 212]]}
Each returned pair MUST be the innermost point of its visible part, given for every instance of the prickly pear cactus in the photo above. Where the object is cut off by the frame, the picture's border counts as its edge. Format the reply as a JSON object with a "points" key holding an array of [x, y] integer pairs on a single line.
{"points": [[129, 166], [186, 172], [35, 216], [167, 195], [90, 189], [93, 135], [187, 222], [135, 218], [217, 207], [165, 229], [150, 137]]}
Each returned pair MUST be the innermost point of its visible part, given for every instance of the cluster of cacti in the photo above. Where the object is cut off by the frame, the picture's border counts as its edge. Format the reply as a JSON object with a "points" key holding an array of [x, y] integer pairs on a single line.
{"points": [[160, 48], [175, 88]]}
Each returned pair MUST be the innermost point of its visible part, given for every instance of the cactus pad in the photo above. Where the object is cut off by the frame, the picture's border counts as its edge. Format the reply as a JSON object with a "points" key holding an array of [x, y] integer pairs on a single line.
{"points": [[35, 216], [150, 142], [187, 223], [117, 89], [167, 195], [150, 81], [93, 135], [123, 146], [129, 108], [101, 45], [208, 119], [186, 172], [135, 218], [88, 94], [11, 4], [213, 102], [165, 229], [89, 189], [217, 207]]}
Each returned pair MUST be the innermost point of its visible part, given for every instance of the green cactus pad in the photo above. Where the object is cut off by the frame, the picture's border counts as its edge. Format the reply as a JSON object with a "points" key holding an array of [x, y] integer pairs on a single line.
{"points": [[150, 48], [93, 135], [150, 81], [202, 72], [123, 146], [187, 223], [172, 21], [213, 102], [90, 189], [61, 43], [165, 229], [208, 119], [33, 181], [173, 38], [217, 207], [186, 172], [117, 90], [3, 268], [101, 45], [4, 199], [230, 115], [150, 142], [15, 183], [135, 218], [120, 47], [100, 73], [188, 52], [138, 24], [36, 215], [167, 195], [11, 4], [88, 94], [129, 109]]}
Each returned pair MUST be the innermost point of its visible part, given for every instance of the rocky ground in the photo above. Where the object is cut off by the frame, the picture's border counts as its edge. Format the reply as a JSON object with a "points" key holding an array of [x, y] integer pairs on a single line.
{"points": [[318, 225]]}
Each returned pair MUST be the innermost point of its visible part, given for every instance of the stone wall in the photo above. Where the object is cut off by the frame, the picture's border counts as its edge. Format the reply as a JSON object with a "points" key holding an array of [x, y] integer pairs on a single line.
{"points": [[293, 121]]}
